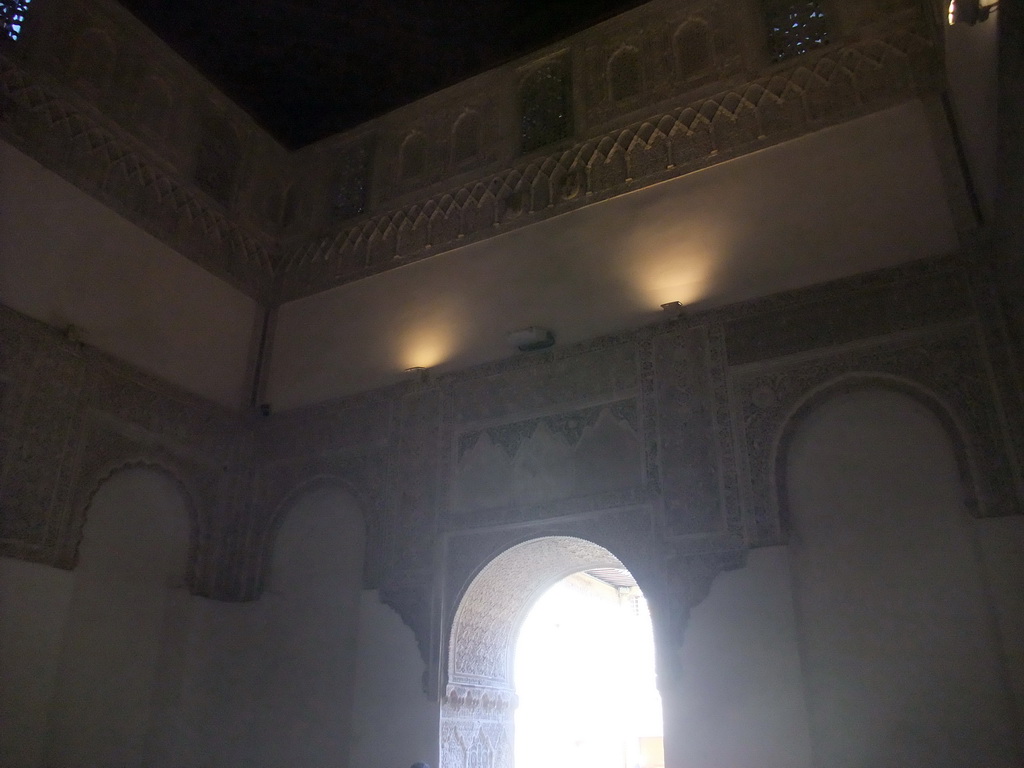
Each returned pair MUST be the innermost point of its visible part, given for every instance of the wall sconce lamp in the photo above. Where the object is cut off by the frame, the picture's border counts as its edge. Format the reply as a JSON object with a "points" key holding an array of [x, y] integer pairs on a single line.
{"points": [[419, 373], [673, 309], [969, 12]]}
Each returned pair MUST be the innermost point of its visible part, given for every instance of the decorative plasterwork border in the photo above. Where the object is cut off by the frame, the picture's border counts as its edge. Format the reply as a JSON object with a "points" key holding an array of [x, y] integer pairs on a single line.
{"points": [[944, 366], [72, 138], [818, 90]]}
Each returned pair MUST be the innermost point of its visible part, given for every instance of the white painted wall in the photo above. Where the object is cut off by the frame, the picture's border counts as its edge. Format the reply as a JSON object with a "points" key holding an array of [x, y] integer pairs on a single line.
{"points": [[851, 198], [394, 723], [901, 659], [115, 664], [34, 601], [304, 675], [67, 259], [740, 701]]}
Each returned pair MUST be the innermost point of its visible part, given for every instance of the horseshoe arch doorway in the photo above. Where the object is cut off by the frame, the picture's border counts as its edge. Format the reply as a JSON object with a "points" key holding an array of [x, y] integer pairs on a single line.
{"points": [[477, 719]]}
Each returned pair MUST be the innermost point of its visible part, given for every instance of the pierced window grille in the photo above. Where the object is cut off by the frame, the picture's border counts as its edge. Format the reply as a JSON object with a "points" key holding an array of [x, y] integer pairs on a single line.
{"points": [[545, 107], [795, 28], [351, 186], [12, 17]]}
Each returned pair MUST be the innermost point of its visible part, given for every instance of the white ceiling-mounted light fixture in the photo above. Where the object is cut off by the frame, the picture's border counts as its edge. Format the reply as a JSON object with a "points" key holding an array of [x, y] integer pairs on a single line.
{"points": [[531, 339], [969, 12]]}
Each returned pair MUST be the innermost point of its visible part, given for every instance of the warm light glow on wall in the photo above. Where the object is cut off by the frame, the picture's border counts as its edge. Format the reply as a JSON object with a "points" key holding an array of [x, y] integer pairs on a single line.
{"points": [[683, 277], [432, 335], [426, 348], [676, 264]]}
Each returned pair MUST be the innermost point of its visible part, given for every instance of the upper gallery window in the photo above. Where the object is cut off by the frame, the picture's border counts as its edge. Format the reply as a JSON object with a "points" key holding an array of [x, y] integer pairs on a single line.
{"points": [[794, 28], [545, 106], [12, 17]]}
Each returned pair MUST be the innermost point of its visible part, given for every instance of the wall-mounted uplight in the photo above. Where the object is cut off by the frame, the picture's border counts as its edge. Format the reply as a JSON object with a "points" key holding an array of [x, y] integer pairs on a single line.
{"points": [[419, 373], [968, 12], [673, 309], [531, 339]]}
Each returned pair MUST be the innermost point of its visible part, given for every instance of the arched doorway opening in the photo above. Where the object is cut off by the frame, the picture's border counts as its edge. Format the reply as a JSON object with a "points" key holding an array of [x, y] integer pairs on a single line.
{"points": [[585, 677], [477, 728]]}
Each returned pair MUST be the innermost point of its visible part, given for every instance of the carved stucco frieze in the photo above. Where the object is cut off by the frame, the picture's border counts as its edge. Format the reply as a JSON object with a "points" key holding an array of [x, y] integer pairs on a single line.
{"points": [[356, 424], [73, 417], [825, 88], [63, 132], [697, 387], [414, 489], [572, 461], [697, 465], [599, 371], [45, 412], [944, 366]]}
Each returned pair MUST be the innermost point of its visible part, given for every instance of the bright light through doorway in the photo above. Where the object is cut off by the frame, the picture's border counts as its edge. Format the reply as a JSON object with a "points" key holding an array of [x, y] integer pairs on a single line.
{"points": [[584, 675]]}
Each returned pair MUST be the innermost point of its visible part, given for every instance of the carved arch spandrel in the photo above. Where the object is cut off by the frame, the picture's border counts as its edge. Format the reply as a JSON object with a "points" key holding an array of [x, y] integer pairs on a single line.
{"points": [[945, 369], [952, 424], [95, 476]]}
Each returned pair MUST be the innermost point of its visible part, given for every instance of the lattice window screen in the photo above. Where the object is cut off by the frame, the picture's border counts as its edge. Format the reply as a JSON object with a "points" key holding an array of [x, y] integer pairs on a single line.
{"points": [[794, 28], [545, 102], [12, 17]]}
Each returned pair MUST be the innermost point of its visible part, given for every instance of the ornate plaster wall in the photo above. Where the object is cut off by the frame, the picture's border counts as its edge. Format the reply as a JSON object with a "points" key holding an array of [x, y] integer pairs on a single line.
{"points": [[662, 445]]}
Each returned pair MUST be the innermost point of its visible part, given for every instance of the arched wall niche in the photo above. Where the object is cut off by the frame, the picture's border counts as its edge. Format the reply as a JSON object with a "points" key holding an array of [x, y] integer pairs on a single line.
{"points": [[817, 397], [334, 491], [412, 156], [478, 696], [91, 486], [166, 476], [899, 641], [124, 637], [301, 704]]}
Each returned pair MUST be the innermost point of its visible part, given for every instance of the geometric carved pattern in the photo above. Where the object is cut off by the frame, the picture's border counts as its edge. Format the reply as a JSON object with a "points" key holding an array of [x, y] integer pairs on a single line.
{"points": [[838, 82]]}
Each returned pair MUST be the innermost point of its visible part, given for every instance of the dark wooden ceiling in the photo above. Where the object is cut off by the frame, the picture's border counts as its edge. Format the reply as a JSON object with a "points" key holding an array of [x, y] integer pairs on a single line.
{"points": [[308, 68]]}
